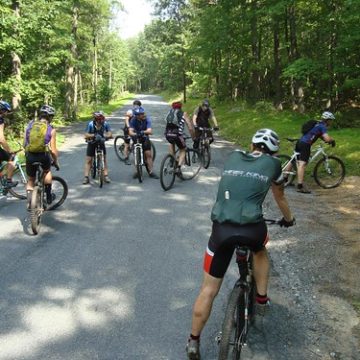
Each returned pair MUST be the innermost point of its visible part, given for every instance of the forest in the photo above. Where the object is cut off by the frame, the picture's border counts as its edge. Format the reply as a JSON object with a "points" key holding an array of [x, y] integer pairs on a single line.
{"points": [[298, 55]]}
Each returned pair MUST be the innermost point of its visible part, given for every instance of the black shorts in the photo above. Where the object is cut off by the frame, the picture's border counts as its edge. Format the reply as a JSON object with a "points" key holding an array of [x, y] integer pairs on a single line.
{"points": [[4, 155], [43, 158], [223, 240], [127, 137], [175, 139], [304, 149], [91, 148], [145, 142]]}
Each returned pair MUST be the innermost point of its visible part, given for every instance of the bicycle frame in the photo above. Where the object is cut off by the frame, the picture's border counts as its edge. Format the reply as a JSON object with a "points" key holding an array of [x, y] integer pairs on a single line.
{"points": [[17, 166]]}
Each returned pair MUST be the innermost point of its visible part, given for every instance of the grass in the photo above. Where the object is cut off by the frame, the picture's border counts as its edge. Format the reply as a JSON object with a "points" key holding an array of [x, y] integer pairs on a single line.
{"points": [[238, 122]]}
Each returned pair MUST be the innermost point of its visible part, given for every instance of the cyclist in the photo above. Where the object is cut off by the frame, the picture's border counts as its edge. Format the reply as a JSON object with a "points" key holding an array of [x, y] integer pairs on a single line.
{"points": [[97, 131], [203, 114], [175, 124], [140, 127], [5, 152], [40, 146], [128, 116], [303, 146], [238, 220]]}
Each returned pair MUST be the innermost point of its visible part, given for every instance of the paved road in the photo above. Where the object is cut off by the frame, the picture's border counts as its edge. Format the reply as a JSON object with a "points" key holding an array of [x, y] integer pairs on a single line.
{"points": [[115, 271]]}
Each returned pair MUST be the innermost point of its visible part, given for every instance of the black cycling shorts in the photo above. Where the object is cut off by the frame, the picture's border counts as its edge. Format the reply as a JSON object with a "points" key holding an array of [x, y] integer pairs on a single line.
{"points": [[91, 148], [304, 149], [175, 139], [223, 240], [145, 142], [126, 135], [4, 155], [43, 158]]}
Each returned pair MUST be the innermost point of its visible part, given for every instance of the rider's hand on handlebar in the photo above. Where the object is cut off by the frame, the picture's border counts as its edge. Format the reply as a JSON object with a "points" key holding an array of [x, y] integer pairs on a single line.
{"points": [[56, 165], [332, 143], [285, 223], [216, 128]]}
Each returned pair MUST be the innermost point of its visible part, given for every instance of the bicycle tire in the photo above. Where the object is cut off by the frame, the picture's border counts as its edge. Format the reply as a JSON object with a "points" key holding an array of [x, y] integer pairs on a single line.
{"points": [[167, 172], [206, 156], [35, 210], [139, 169], [233, 325], [290, 175], [93, 168], [19, 191], [119, 147], [329, 172], [60, 189], [192, 165], [153, 150], [100, 170]]}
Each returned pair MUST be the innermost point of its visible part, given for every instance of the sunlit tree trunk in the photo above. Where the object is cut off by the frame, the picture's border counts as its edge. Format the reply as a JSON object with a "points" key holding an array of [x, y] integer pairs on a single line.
{"points": [[16, 63]]}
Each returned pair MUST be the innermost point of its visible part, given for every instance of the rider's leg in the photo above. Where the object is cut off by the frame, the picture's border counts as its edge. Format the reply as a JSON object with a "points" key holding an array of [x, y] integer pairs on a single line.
{"points": [[203, 304], [182, 154], [261, 271], [172, 149], [106, 169], [88, 162], [149, 160], [48, 182]]}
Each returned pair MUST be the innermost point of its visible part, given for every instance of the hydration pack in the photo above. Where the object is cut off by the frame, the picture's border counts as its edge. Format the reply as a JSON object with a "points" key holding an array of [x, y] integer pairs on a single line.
{"points": [[306, 127], [173, 117], [38, 135]]}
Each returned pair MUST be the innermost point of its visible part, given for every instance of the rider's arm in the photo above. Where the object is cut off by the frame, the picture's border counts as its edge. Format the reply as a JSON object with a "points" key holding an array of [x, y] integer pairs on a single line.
{"points": [[279, 196], [107, 133], [189, 124], [148, 131], [213, 118], [3, 142], [53, 148], [194, 118], [132, 131], [327, 138]]}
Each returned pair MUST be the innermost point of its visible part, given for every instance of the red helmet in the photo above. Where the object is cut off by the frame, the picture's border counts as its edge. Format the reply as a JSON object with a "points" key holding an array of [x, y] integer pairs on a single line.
{"points": [[176, 105], [99, 115]]}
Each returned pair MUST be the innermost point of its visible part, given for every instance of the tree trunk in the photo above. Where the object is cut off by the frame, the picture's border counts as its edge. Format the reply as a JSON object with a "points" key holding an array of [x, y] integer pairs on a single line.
{"points": [[255, 77], [16, 63], [95, 67], [277, 66]]}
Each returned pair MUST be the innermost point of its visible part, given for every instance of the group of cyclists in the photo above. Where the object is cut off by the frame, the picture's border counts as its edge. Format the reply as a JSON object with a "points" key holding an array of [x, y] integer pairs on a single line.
{"points": [[237, 218]]}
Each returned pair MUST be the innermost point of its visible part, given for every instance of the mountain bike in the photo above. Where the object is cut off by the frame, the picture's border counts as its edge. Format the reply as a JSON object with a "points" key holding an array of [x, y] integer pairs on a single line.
{"points": [[119, 147], [240, 308], [204, 145], [19, 175], [329, 170], [169, 167], [139, 159], [38, 204], [98, 165]]}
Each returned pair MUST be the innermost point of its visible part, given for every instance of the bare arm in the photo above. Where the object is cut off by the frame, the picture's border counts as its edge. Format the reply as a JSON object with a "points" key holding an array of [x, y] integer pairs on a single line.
{"points": [[3, 142], [53, 148], [327, 138], [189, 124], [279, 196]]}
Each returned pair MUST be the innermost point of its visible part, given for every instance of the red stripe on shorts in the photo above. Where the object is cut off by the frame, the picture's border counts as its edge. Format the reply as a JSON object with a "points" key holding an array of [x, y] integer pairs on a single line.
{"points": [[266, 239], [208, 260]]}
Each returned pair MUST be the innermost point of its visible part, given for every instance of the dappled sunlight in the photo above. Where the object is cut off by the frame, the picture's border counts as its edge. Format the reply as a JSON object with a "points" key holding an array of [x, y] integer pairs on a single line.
{"points": [[205, 179], [347, 210], [160, 211], [279, 244], [58, 293], [178, 196], [134, 188]]}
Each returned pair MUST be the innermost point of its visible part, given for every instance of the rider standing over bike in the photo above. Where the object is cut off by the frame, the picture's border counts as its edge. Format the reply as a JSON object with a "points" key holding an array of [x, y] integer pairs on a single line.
{"points": [[238, 221], [40, 146], [5, 152], [97, 131], [174, 131], [140, 127], [128, 116], [303, 146], [203, 114]]}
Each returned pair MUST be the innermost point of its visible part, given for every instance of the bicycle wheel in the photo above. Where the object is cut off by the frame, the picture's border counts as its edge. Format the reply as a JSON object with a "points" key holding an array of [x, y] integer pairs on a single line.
{"points": [[93, 168], [329, 172], [192, 166], [59, 189], [233, 325], [167, 172], [153, 150], [290, 174], [139, 168], [35, 210], [100, 170], [119, 147], [206, 156], [19, 175]]}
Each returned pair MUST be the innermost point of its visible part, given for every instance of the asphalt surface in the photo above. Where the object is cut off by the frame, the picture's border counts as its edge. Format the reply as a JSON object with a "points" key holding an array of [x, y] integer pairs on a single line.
{"points": [[114, 272]]}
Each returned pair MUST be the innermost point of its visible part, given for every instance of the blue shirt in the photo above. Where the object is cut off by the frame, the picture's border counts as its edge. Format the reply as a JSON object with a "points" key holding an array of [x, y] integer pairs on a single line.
{"points": [[317, 131], [2, 120], [139, 125], [91, 128]]}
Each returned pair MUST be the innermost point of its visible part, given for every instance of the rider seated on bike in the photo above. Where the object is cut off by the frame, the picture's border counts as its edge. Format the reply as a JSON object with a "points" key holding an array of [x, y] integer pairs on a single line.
{"points": [[140, 128], [97, 131], [5, 152], [128, 116], [174, 131], [40, 147], [203, 114], [303, 146], [238, 221]]}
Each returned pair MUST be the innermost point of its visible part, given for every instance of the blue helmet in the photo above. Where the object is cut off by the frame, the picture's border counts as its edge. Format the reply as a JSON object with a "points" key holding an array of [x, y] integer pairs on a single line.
{"points": [[139, 111], [5, 106]]}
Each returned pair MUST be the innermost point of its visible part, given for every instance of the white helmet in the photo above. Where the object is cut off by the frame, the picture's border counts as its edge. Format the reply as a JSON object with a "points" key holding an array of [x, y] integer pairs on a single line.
{"points": [[129, 113], [327, 115], [267, 140]]}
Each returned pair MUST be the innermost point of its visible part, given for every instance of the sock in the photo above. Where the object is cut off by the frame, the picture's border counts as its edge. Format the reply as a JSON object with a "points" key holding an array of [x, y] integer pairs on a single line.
{"points": [[262, 299], [193, 337], [300, 186]]}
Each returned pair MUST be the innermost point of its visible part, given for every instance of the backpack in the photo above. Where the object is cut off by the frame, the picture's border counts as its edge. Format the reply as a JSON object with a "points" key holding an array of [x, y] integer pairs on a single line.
{"points": [[173, 117], [306, 127], [38, 135]]}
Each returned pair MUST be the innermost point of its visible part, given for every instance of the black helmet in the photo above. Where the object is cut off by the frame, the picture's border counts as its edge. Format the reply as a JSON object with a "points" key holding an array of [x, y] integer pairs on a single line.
{"points": [[206, 103], [137, 102]]}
